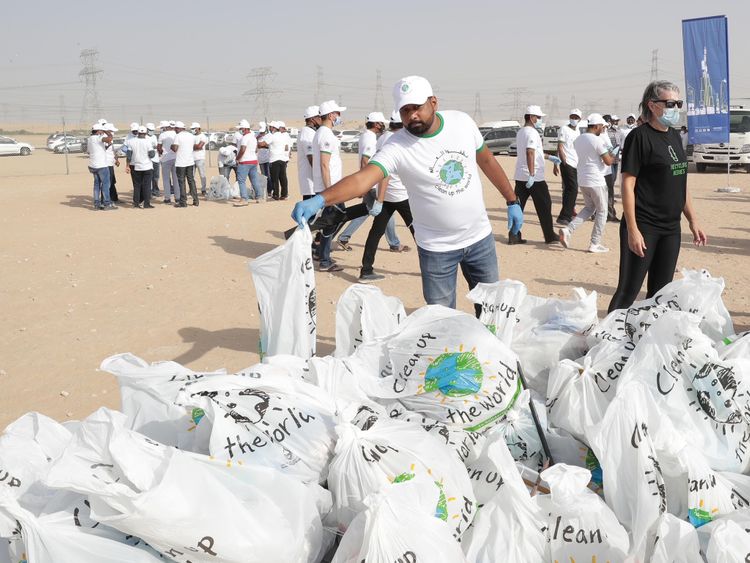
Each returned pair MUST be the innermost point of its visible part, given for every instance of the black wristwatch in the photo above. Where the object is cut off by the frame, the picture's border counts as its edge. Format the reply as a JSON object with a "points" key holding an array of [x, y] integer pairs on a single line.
{"points": [[514, 202]]}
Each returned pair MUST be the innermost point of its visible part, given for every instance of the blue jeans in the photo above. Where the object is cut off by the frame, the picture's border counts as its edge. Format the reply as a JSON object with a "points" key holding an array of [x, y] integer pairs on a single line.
{"points": [[243, 171], [354, 224], [101, 186], [478, 264]]}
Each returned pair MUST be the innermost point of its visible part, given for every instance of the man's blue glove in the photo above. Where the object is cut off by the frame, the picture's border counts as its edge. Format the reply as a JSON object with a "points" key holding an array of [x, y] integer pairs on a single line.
{"points": [[554, 159], [615, 150], [515, 218], [306, 209], [376, 208], [530, 183]]}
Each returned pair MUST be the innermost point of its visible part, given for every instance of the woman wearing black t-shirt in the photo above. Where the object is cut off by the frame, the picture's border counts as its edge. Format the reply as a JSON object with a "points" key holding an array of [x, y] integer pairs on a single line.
{"points": [[654, 195]]}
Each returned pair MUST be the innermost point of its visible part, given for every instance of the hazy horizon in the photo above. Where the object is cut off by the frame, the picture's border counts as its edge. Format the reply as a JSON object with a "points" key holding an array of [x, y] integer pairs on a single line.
{"points": [[193, 61]]}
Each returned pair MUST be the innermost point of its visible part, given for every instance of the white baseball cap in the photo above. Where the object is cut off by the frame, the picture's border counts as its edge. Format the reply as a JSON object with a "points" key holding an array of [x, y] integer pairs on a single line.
{"points": [[615, 117], [243, 124], [280, 124], [102, 121], [110, 127], [576, 111], [330, 106], [179, 125], [172, 123], [98, 126], [595, 119], [195, 125], [395, 117], [631, 115], [163, 124], [534, 110], [411, 90], [150, 126], [134, 126], [274, 124], [311, 111], [376, 117], [142, 129]]}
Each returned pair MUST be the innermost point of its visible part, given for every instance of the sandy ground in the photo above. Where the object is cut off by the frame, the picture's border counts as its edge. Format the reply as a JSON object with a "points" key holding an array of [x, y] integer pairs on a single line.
{"points": [[173, 284]]}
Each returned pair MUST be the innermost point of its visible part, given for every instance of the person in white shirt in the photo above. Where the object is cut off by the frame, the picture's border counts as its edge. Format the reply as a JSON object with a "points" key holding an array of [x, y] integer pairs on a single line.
{"points": [[278, 157], [391, 197], [375, 126], [264, 137], [112, 162], [228, 161], [625, 130], [568, 161], [199, 154], [133, 134], [151, 136], [594, 155], [610, 137], [247, 163], [167, 157], [304, 151], [437, 156], [140, 151], [97, 149], [684, 137], [529, 175], [183, 147]]}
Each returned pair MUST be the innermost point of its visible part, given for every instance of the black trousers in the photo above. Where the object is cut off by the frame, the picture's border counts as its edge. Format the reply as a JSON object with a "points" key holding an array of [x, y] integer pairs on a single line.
{"points": [[155, 179], [377, 230], [611, 211], [142, 186], [539, 193], [187, 172], [662, 251], [113, 185], [569, 177], [278, 176]]}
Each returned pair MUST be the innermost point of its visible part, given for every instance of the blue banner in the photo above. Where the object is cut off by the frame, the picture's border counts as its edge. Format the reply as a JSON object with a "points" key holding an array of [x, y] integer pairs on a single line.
{"points": [[706, 54]]}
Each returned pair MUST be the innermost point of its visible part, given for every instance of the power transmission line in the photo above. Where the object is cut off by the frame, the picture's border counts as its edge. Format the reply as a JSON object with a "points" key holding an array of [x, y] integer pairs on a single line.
{"points": [[261, 77], [477, 108], [318, 84], [89, 74], [654, 64], [379, 102], [517, 93]]}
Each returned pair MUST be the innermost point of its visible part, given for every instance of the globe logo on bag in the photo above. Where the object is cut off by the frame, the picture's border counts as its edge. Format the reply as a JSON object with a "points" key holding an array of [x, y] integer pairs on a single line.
{"points": [[452, 172], [454, 374]]}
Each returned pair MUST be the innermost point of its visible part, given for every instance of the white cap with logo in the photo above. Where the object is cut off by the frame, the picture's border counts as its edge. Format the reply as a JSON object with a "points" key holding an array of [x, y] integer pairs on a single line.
{"points": [[329, 106], [411, 90], [595, 119], [150, 126], [576, 111], [195, 125], [179, 125], [280, 124], [376, 117], [243, 124], [142, 129], [311, 111], [395, 117], [134, 126], [163, 124], [534, 110]]}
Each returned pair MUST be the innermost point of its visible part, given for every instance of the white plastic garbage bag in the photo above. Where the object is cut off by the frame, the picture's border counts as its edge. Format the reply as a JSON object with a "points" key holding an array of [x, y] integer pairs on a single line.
{"points": [[673, 541], [580, 526], [550, 330], [727, 540], [335, 377], [187, 506], [736, 346], [500, 302], [392, 451], [148, 393], [219, 189], [364, 313], [285, 286], [399, 526], [263, 416], [235, 190], [520, 434], [508, 527]]}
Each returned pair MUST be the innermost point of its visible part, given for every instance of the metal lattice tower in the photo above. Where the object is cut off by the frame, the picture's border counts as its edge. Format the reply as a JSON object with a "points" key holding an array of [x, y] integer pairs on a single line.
{"points": [[260, 77], [379, 102], [517, 93], [655, 64], [573, 102], [91, 105], [318, 84], [477, 108], [554, 109]]}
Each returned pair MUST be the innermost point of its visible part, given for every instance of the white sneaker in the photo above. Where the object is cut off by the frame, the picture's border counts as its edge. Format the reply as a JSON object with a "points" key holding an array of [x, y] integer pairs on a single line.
{"points": [[598, 248], [564, 236]]}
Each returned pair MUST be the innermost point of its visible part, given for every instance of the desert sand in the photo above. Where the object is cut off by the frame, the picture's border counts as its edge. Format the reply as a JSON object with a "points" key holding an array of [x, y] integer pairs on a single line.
{"points": [[173, 284]]}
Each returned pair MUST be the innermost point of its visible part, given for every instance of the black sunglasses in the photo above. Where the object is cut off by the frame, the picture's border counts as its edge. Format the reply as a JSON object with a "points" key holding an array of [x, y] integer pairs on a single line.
{"points": [[671, 103]]}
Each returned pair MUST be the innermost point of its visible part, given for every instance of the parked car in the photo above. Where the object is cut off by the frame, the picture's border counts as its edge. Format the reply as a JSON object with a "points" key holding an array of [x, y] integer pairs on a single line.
{"points": [[216, 140], [351, 145], [11, 146], [76, 144], [513, 149], [59, 141], [53, 137], [499, 140], [348, 135], [549, 139]]}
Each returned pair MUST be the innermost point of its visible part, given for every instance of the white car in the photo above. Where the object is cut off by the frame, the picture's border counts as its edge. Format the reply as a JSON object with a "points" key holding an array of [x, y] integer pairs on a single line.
{"points": [[11, 146]]}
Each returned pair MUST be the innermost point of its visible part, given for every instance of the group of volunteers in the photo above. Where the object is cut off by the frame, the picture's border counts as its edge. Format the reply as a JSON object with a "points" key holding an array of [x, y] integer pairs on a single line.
{"points": [[427, 169]]}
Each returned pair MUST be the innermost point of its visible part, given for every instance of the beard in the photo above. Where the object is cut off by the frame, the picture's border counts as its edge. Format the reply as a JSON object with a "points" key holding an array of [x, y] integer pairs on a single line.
{"points": [[419, 127]]}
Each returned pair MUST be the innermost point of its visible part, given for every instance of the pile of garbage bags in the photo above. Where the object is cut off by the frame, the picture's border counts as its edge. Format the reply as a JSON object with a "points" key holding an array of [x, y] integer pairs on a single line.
{"points": [[536, 433]]}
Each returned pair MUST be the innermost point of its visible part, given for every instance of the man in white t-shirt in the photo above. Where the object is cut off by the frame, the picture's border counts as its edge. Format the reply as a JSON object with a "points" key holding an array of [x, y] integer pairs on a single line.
{"points": [[375, 126], [304, 151], [247, 163], [529, 175], [140, 167], [568, 161], [112, 162], [167, 159], [278, 157], [199, 154], [610, 136], [625, 130], [264, 137], [183, 147], [151, 136], [594, 155], [438, 156], [97, 149], [391, 197]]}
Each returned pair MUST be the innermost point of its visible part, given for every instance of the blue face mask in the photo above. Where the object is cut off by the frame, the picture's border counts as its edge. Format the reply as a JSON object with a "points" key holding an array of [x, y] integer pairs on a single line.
{"points": [[338, 121], [670, 117]]}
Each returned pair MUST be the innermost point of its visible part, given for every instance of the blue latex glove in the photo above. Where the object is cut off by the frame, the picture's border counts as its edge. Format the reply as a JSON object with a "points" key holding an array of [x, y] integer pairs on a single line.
{"points": [[376, 208], [305, 210], [554, 159], [530, 183], [615, 151], [515, 218]]}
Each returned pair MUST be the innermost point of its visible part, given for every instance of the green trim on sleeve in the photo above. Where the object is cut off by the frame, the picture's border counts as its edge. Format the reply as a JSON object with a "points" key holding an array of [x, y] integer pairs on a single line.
{"points": [[481, 147], [325, 152], [382, 168]]}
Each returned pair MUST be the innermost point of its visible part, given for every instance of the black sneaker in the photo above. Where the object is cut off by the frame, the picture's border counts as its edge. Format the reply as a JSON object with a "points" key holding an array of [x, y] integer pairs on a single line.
{"points": [[516, 239], [370, 277], [147, 206]]}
